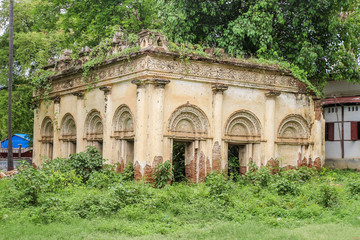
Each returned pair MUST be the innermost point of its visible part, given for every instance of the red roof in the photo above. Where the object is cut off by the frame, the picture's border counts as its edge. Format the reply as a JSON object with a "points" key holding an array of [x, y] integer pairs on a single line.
{"points": [[341, 100]]}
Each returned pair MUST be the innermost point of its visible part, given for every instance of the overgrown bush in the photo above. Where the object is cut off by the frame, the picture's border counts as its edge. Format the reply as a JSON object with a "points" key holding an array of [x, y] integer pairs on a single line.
{"points": [[328, 195], [284, 186], [104, 179], [219, 186], [128, 172], [354, 186], [163, 174], [85, 163]]}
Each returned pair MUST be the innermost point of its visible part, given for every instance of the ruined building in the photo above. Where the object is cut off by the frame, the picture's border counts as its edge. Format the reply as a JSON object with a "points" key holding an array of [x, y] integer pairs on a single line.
{"points": [[140, 104]]}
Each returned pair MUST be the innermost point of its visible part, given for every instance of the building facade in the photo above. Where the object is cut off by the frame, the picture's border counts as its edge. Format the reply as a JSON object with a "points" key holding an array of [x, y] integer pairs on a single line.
{"points": [[342, 132], [140, 105]]}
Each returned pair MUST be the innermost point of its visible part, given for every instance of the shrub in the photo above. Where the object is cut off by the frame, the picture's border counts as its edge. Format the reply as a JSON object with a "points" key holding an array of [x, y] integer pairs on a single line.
{"points": [[163, 174], [104, 179], [128, 172], [354, 186], [328, 195], [219, 187], [85, 163], [285, 186]]}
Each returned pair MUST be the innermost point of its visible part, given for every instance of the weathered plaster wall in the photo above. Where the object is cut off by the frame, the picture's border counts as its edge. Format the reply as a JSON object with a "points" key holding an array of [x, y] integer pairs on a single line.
{"points": [[155, 99]]}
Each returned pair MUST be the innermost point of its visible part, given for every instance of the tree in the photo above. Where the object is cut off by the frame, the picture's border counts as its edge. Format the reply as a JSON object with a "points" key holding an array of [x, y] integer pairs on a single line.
{"points": [[313, 36]]}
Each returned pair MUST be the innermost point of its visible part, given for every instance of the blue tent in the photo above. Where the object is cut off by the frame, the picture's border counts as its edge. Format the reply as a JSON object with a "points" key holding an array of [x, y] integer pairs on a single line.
{"points": [[17, 139]]}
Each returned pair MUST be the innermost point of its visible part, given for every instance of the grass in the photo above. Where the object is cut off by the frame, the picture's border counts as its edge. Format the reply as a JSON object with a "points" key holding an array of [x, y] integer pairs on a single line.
{"points": [[304, 204]]}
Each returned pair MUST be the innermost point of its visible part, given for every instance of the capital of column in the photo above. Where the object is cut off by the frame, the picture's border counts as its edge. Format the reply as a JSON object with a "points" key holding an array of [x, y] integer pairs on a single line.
{"points": [[160, 83], [138, 83], [219, 88], [79, 95], [272, 94], [56, 99], [106, 89]]}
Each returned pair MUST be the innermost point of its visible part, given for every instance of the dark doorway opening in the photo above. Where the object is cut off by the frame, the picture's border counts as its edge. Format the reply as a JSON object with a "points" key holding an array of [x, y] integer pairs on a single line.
{"points": [[236, 159], [178, 161]]}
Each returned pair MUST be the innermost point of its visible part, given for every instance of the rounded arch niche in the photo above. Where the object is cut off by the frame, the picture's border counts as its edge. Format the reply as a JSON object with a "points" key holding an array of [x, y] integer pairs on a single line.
{"points": [[68, 127], [293, 126], [94, 126], [188, 119], [47, 129], [243, 123], [123, 121], [47, 138]]}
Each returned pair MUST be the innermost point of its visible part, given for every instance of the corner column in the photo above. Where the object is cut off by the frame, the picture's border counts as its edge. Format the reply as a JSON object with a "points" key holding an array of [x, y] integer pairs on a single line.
{"points": [[218, 159], [318, 130], [269, 125], [56, 141]]}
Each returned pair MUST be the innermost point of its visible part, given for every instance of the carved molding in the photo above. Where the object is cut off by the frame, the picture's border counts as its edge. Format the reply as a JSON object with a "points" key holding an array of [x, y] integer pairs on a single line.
{"points": [[94, 125], [68, 127], [188, 118], [243, 123], [47, 129], [167, 67], [294, 126], [123, 122]]}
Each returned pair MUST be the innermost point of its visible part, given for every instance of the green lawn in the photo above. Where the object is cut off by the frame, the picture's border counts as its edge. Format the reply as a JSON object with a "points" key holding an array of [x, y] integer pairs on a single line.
{"points": [[55, 203]]}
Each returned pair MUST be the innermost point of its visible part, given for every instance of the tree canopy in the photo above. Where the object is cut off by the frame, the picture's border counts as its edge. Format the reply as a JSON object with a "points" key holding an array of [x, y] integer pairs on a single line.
{"points": [[319, 38]]}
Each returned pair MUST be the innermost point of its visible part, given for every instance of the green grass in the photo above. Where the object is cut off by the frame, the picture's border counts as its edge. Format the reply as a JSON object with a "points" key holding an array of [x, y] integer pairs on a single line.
{"points": [[303, 204]]}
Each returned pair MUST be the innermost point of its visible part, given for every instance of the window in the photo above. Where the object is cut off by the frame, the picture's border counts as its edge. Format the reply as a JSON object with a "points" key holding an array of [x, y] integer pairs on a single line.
{"points": [[355, 131], [329, 132]]}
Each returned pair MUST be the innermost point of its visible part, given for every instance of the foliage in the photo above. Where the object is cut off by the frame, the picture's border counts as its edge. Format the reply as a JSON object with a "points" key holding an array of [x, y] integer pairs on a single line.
{"points": [[317, 40], [163, 174], [85, 163], [219, 188], [178, 161], [105, 178], [354, 186], [128, 173]]}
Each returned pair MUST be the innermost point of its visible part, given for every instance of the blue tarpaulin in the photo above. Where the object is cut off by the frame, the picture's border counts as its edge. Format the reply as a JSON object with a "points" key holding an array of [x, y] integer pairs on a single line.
{"points": [[17, 139]]}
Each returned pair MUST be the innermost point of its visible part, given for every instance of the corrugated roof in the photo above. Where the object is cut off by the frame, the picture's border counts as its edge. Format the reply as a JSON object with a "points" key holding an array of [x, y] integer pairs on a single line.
{"points": [[341, 100]]}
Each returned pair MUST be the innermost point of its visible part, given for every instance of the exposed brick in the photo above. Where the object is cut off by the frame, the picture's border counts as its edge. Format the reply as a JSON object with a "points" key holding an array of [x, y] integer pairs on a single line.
{"points": [[273, 165], [216, 157], [289, 167], [242, 170], [310, 165], [208, 166], [148, 174], [190, 171], [202, 167], [304, 162], [299, 160], [157, 160], [317, 163], [137, 172]]}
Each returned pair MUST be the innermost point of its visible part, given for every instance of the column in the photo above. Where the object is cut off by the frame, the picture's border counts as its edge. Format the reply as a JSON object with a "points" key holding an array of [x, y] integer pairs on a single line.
{"points": [[218, 151], [157, 122], [269, 124], [318, 130], [140, 129], [107, 129], [56, 124], [80, 121]]}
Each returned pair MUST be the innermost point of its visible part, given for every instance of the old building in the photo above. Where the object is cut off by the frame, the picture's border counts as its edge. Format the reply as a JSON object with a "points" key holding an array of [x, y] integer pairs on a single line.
{"points": [[141, 104], [342, 132]]}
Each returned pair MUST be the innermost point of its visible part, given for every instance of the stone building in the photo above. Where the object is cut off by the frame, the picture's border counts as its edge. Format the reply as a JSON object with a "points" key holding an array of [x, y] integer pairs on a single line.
{"points": [[143, 103]]}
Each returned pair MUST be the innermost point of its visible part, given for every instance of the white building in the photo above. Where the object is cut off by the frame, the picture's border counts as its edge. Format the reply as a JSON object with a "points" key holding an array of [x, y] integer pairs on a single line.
{"points": [[342, 131]]}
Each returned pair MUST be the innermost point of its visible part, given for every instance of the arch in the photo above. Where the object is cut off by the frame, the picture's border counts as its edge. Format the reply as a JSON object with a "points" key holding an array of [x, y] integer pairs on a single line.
{"points": [[293, 126], [243, 123], [68, 126], [123, 120], [188, 118], [94, 125], [47, 128]]}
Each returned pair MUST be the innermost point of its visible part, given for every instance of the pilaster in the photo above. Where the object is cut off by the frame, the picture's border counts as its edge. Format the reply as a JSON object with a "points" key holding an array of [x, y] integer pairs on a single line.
{"points": [[56, 124], [108, 114], [80, 121], [269, 124], [218, 159]]}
